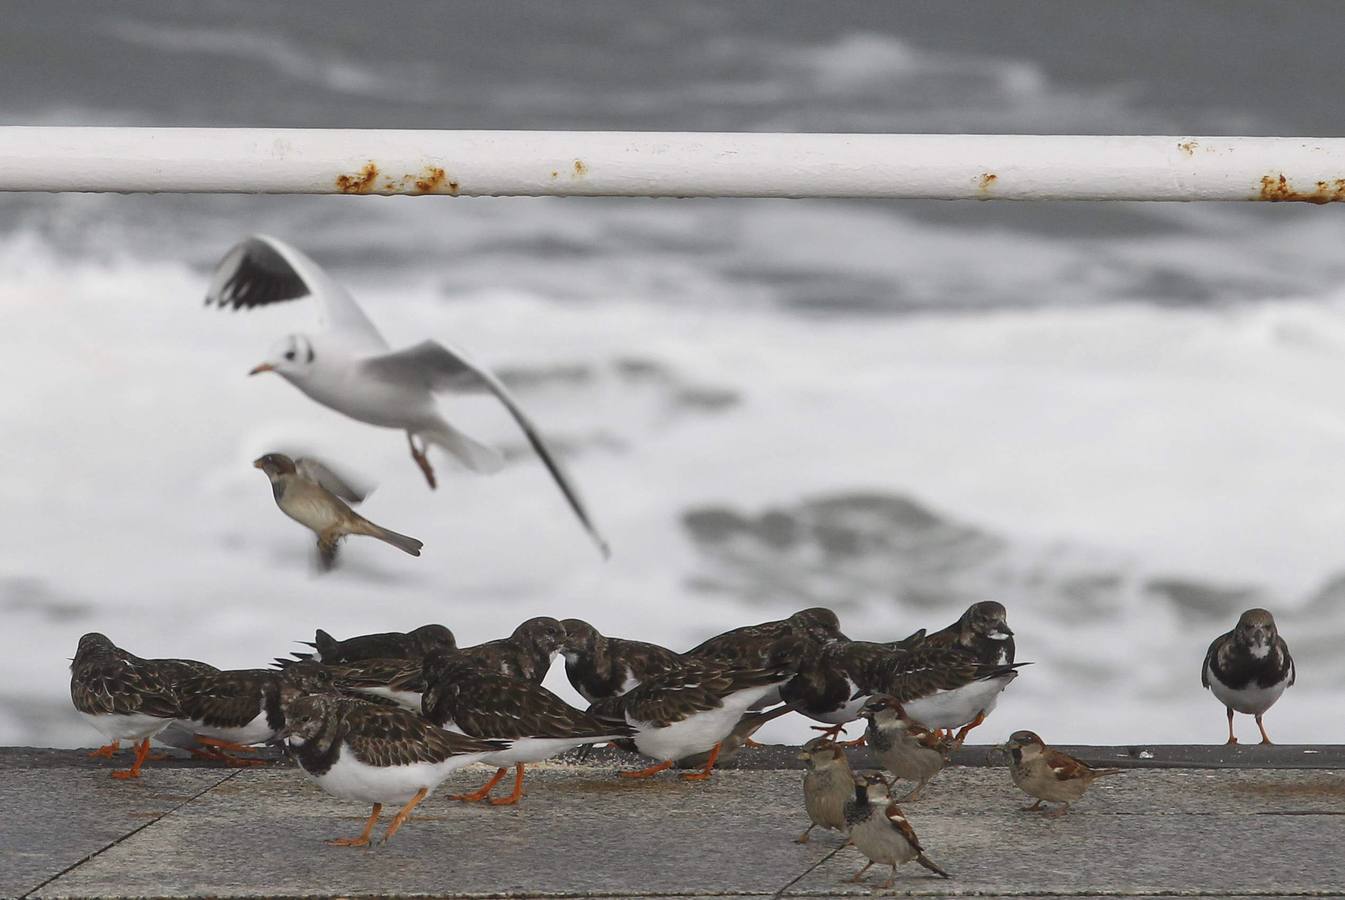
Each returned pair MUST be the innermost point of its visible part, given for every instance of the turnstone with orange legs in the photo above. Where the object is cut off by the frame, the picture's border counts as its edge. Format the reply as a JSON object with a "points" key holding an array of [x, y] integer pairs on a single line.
{"points": [[600, 667], [1248, 668]]}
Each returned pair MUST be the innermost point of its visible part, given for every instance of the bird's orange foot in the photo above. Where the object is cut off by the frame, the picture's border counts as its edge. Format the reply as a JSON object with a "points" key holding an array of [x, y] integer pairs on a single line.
{"points": [[479, 795], [860, 741], [219, 744], [751, 743], [647, 773], [696, 776], [107, 751], [348, 842], [709, 765], [125, 774], [831, 732]]}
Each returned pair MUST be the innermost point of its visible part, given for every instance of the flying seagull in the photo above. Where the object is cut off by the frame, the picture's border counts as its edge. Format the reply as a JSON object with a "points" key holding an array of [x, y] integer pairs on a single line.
{"points": [[349, 367]]}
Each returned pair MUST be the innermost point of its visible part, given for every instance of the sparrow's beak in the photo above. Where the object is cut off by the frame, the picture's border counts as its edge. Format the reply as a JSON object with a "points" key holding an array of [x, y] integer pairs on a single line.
{"points": [[264, 367]]}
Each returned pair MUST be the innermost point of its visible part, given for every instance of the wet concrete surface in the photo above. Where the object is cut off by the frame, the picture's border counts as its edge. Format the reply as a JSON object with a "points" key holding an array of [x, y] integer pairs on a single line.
{"points": [[189, 830]]}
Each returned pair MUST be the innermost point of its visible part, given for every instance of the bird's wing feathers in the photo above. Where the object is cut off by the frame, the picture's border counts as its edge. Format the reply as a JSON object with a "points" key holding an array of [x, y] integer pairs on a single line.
{"points": [[1209, 659], [901, 824], [390, 735], [439, 368], [341, 486], [262, 270], [1065, 767]]}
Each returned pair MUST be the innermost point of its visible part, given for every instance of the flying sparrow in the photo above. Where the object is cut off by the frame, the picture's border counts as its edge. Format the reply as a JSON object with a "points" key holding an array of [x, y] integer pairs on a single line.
{"points": [[1048, 774], [1248, 668], [828, 784], [356, 750], [350, 368], [904, 747], [880, 831], [310, 498], [463, 696]]}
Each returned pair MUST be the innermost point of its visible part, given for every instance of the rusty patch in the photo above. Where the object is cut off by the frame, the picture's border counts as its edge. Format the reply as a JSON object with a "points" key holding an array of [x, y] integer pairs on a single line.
{"points": [[358, 184], [1319, 787], [1188, 147], [1277, 189], [434, 176], [987, 181], [580, 169], [555, 174]]}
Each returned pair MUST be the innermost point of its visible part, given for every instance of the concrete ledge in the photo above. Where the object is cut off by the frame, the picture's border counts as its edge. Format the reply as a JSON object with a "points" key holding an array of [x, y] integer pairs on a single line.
{"points": [[1233, 827]]}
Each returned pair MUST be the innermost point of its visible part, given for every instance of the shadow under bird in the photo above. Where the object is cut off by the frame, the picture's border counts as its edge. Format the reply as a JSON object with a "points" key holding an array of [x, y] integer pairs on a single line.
{"points": [[828, 784], [1248, 668], [880, 831], [125, 697], [312, 495], [381, 755], [1044, 773], [349, 367]]}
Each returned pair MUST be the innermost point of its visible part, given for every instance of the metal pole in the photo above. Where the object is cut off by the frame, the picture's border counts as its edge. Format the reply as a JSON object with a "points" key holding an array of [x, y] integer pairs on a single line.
{"points": [[655, 164]]}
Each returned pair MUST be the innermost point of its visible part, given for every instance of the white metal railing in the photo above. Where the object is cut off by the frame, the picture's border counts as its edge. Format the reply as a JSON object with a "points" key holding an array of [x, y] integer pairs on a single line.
{"points": [[673, 164]]}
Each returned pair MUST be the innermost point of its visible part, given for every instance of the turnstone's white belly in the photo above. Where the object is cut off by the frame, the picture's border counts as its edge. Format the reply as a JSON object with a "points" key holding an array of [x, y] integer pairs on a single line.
{"points": [[350, 779], [1251, 700], [955, 708], [531, 750], [699, 731], [847, 712], [126, 726], [254, 732]]}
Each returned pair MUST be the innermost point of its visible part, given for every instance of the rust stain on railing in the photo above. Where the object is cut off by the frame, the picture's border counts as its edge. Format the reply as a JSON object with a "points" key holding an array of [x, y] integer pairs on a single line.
{"points": [[985, 183], [1276, 188], [361, 183]]}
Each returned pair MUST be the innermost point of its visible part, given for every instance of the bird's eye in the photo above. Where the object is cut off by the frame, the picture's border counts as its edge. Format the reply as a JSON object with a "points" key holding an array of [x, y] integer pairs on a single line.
{"points": [[289, 354]]}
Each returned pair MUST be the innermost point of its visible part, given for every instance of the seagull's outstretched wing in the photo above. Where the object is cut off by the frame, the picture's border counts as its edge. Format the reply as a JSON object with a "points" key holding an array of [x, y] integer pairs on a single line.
{"points": [[439, 368], [343, 487], [262, 270]]}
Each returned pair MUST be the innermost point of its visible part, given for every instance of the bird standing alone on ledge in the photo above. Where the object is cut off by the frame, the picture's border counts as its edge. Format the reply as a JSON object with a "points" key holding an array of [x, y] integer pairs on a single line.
{"points": [[307, 492], [1248, 668]]}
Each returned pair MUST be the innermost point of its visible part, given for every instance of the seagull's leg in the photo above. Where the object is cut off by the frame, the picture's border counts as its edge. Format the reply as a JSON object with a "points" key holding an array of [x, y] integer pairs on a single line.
{"points": [[107, 751], [363, 839], [1231, 739], [422, 460], [405, 813], [477, 796], [1265, 738], [709, 766]]}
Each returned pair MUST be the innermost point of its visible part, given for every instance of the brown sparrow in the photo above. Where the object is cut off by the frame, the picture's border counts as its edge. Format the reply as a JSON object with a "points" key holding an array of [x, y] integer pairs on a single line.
{"points": [[904, 747], [827, 785], [311, 494], [1048, 774], [880, 831]]}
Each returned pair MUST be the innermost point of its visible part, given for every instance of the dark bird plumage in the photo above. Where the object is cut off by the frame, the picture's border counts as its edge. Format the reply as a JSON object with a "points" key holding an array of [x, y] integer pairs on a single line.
{"points": [[880, 831], [1248, 668], [600, 667]]}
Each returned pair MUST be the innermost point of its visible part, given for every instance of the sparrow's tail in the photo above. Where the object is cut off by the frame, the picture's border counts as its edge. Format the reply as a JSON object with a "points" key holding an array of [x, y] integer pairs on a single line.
{"points": [[401, 541], [929, 864], [1102, 773], [471, 453]]}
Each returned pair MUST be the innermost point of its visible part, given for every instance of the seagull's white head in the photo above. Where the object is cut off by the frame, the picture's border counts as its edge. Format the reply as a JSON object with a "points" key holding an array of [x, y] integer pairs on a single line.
{"points": [[291, 357]]}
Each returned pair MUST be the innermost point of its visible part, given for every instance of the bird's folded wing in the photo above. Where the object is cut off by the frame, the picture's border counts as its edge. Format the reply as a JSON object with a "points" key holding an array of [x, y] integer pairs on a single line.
{"points": [[261, 270], [343, 487], [438, 368]]}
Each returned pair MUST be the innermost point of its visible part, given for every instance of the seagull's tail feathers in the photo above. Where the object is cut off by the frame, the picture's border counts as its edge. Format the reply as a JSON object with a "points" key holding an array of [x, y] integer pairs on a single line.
{"points": [[401, 541], [471, 453]]}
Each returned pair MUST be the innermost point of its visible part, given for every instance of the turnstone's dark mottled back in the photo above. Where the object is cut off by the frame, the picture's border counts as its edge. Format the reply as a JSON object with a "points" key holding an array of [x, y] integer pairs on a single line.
{"points": [[463, 696], [233, 709], [399, 680], [1048, 774], [835, 679], [880, 831], [1248, 668], [526, 654], [983, 629], [694, 707], [600, 667], [413, 644], [377, 754], [751, 644], [123, 696], [903, 747], [941, 687], [828, 784]]}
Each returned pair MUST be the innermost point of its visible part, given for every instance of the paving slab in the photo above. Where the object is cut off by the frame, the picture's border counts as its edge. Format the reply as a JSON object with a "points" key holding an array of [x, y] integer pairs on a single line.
{"points": [[580, 832]]}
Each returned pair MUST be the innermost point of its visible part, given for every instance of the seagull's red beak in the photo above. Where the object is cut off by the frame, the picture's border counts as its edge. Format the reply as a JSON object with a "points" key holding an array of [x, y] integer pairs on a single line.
{"points": [[264, 367]]}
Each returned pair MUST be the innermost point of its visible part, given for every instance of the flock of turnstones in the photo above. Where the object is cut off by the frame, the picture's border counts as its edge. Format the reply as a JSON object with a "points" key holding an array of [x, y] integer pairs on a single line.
{"points": [[384, 718]]}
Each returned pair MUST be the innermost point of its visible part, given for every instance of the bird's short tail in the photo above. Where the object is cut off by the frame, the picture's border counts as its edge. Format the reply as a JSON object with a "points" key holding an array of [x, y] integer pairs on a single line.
{"points": [[402, 542], [1102, 773], [929, 864]]}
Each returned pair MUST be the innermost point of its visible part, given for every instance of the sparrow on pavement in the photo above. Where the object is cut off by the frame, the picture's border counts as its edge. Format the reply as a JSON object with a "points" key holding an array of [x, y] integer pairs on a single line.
{"points": [[1048, 774], [315, 501], [902, 746], [880, 831], [356, 750], [1248, 668], [828, 784], [350, 368]]}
